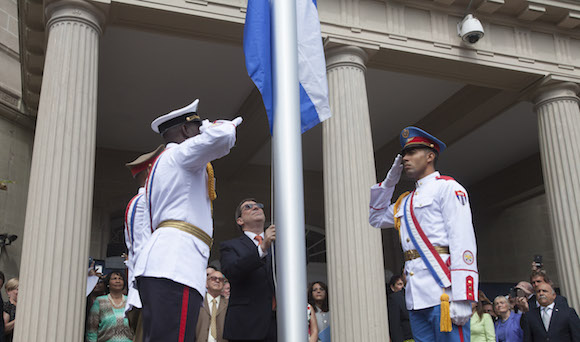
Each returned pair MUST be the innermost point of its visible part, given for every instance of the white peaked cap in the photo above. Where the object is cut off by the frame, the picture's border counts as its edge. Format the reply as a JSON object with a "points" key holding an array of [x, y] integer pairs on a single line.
{"points": [[176, 117]]}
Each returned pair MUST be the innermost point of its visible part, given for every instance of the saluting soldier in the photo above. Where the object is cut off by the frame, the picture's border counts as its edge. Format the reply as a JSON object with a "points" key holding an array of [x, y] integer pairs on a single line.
{"points": [[170, 269], [437, 236], [137, 232]]}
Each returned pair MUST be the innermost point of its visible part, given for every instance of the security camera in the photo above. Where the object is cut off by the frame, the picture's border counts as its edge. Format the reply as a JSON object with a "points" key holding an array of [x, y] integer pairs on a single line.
{"points": [[470, 29]]}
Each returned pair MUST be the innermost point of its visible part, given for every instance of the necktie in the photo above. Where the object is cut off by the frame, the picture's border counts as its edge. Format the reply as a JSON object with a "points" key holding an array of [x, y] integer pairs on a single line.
{"points": [[546, 317], [213, 323], [259, 239]]}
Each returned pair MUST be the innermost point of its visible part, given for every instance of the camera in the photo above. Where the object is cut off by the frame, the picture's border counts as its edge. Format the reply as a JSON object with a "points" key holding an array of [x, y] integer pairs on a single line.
{"points": [[538, 261], [470, 29]]}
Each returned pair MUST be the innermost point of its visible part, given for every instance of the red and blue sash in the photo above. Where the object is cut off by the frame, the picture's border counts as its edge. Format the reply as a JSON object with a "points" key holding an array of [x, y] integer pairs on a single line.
{"points": [[430, 257], [130, 217]]}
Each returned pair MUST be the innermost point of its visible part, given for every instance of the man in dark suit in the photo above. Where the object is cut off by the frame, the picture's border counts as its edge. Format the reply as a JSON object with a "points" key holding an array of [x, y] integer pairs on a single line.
{"points": [[247, 263], [210, 323], [552, 320]]}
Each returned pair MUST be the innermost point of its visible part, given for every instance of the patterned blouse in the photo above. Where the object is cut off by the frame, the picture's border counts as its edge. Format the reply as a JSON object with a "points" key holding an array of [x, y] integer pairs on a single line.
{"points": [[106, 323]]}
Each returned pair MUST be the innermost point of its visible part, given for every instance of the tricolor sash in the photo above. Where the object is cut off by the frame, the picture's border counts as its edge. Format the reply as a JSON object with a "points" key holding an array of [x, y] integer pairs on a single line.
{"points": [[431, 258], [130, 217]]}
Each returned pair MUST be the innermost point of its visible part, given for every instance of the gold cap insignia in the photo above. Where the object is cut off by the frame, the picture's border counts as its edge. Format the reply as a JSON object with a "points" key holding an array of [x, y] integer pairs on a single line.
{"points": [[405, 133], [192, 117]]}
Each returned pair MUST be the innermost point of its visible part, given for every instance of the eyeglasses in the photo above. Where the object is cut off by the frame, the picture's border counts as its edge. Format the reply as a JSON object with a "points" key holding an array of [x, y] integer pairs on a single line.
{"points": [[250, 206], [218, 279]]}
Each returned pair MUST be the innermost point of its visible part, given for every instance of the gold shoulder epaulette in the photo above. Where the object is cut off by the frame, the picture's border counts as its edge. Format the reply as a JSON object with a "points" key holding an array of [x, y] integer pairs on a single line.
{"points": [[396, 208]]}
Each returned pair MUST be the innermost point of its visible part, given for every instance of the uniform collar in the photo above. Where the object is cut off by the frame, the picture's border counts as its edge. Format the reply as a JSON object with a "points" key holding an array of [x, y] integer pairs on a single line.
{"points": [[427, 179], [141, 190]]}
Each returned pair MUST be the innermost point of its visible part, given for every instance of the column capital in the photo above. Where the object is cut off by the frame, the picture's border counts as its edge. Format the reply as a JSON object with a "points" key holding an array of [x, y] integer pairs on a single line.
{"points": [[346, 56], [556, 92], [75, 10]]}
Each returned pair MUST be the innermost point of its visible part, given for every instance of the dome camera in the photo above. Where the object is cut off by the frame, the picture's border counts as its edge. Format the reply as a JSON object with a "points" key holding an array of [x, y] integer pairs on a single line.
{"points": [[470, 29]]}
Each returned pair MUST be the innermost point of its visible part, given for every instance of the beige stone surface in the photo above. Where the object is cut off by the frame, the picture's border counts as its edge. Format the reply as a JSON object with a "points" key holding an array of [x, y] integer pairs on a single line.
{"points": [[57, 227], [353, 248], [15, 158], [558, 112]]}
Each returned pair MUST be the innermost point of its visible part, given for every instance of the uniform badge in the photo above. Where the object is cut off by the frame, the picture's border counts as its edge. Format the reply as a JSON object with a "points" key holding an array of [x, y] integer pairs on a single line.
{"points": [[405, 133], [461, 196], [468, 257]]}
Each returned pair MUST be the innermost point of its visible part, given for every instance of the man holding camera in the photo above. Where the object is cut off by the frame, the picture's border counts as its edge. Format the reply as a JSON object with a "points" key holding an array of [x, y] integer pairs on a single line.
{"points": [[436, 231]]}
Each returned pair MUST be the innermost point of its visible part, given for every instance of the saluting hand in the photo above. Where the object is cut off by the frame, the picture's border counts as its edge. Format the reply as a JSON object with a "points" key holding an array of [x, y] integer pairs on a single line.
{"points": [[394, 173], [269, 237]]}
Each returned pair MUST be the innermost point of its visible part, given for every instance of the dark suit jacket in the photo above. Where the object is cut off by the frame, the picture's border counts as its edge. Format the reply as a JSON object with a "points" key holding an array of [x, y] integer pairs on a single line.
{"points": [[399, 324], [249, 312], [204, 320], [564, 325]]}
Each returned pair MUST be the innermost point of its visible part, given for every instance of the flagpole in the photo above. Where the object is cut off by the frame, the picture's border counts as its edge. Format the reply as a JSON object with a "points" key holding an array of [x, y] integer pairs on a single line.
{"points": [[288, 182]]}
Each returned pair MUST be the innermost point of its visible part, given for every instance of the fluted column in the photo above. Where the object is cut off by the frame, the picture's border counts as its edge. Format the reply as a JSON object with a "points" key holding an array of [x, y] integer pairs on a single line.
{"points": [[53, 274], [353, 248], [559, 128]]}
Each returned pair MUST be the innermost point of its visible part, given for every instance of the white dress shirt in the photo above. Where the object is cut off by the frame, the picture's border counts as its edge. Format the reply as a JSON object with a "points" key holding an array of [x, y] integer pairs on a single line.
{"points": [[252, 236], [442, 209], [177, 189], [546, 314], [209, 306]]}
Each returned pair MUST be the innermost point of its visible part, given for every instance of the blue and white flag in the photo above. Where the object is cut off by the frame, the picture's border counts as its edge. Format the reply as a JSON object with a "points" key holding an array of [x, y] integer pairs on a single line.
{"points": [[314, 107]]}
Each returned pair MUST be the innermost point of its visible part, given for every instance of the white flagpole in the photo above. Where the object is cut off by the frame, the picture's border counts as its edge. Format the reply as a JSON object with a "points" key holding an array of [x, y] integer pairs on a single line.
{"points": [[288, 182]]}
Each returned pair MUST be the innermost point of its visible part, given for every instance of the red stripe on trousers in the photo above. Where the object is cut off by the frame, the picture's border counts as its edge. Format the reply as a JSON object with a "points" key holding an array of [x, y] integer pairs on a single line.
{"points": [[183, 321], [460, 328]]}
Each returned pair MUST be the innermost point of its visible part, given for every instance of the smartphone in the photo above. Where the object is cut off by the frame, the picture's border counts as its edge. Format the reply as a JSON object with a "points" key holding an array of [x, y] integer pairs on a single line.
{"points": [[513, 292], [520, 293], [99, 269], [538, 261]]}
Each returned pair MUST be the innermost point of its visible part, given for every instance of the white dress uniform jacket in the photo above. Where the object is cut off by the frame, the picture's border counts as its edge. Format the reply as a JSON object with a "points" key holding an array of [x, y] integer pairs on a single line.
{"points": [[442, 209], [137, 232], [177, 189]]}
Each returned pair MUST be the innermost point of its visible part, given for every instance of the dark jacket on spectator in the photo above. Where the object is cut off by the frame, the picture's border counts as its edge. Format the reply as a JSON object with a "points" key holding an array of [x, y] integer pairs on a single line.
{"points": [[564, 324]]}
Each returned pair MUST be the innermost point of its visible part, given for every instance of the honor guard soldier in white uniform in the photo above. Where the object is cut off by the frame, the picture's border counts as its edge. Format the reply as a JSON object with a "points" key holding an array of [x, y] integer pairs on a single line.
{"points": [[436, 232], [137, 232], [170, 269]]}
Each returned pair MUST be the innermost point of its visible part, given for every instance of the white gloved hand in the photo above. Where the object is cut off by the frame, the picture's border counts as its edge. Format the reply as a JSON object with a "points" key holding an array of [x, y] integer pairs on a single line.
{"points": [[237, 121], [394, 173], [460, 312], [205, 124]]}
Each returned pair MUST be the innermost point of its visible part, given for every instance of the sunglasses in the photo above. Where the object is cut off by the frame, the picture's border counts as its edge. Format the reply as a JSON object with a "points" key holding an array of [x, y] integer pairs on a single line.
{"points": [[250, 206]]}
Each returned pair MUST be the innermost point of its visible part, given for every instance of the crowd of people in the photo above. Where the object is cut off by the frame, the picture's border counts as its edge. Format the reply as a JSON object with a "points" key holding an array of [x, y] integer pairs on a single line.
{"points": [[517, 316], [169, 293]]}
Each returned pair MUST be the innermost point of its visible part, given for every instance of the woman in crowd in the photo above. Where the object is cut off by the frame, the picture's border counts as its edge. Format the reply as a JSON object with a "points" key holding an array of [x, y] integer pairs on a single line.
{"points": [[107, 320], [481, 323], [399, 324], [318, 299], [507, 327], [9, 313]]}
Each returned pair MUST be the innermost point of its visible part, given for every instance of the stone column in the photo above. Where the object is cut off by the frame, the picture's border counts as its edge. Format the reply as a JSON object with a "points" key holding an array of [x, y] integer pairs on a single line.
{"points": [[54, 263], [559, 128], [353, 248]]}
